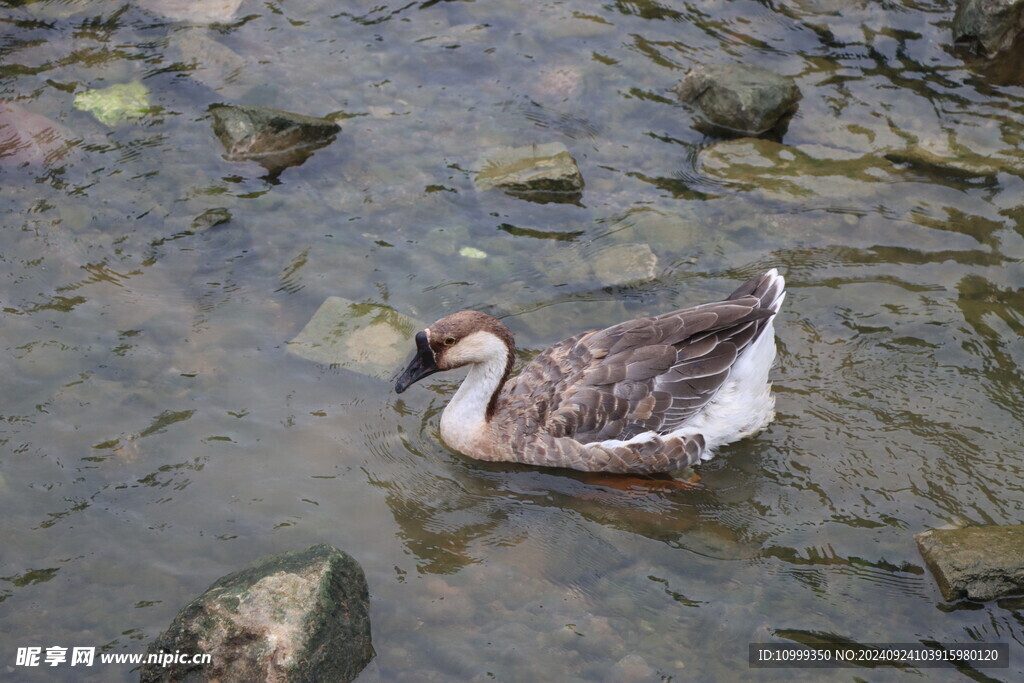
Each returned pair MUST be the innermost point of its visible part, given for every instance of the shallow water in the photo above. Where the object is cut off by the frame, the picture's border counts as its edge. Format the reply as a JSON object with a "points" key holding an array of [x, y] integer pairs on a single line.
{"points": [[156, 434]]}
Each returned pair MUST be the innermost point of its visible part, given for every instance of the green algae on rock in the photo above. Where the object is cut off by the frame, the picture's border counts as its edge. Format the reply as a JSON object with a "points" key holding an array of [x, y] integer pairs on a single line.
{"points": [[116, 103]]}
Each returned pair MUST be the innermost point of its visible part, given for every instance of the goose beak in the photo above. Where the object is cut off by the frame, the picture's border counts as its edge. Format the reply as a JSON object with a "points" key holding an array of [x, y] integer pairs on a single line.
{"points": [[420, 366]]}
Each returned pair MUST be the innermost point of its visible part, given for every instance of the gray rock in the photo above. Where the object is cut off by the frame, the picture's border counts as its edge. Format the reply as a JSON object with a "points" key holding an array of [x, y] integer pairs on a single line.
{"points": [[992, 24], [541, 173], [298, 616], [273, 138], [742, 100], [978, 563]]}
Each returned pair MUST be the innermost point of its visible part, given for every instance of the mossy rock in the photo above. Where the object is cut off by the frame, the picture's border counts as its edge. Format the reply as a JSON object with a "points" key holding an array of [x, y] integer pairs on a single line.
{"points": [[740, 100], [299, 616], [977, 563]]}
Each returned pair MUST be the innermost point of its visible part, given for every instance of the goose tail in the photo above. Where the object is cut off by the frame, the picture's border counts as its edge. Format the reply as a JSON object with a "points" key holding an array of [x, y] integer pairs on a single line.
{"points": [[745, 404], [769, 288]]}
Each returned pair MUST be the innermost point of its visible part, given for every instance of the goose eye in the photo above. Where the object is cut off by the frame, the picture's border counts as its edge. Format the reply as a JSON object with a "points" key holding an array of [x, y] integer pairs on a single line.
{"points": [[448, 341]]}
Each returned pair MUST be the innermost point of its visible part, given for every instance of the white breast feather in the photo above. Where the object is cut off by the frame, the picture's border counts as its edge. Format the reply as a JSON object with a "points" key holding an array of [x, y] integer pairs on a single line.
{"points": [[464, 418]]}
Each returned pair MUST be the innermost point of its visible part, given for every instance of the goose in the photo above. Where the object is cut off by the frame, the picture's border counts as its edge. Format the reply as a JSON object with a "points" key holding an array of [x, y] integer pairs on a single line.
{"points": [[644, 396]]}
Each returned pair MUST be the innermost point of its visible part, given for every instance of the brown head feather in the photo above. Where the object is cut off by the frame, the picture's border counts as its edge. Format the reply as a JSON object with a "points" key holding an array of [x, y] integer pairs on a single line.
{"points": [[451, 329]]}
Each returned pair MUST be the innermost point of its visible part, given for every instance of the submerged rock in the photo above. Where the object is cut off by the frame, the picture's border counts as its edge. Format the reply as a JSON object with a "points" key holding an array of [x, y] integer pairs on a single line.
{"points": [[625, 263], [273, 138], [787, 173], [116, 103], [633, 667], [993, 24], [541, 173], [739, 100], [794, 173], [28, 139], [978, 563], [294, 616], [196, 11], [961, 164], [211, 218], [367, 338], [557, 85], [209, 61]]}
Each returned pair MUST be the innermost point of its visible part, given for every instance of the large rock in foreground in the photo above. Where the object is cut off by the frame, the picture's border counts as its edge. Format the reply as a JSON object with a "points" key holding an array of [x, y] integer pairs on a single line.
{"points": [[740, 100], [993, 24], [273, 138], [299, 616], [541, 173], [978, 563]]}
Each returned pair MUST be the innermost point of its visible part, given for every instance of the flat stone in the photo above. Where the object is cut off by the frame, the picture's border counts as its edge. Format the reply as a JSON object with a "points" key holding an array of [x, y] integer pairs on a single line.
{"points": [[667, 228], [370, 339], [787, 173], [542, 173], [739, 99], [978, 563], [964, 164], [625, 263], [294, 616], [993, 24]]}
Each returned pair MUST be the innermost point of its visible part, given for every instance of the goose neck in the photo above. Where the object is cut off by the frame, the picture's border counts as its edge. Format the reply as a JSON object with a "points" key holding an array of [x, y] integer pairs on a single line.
{"points": [[472, 407]]}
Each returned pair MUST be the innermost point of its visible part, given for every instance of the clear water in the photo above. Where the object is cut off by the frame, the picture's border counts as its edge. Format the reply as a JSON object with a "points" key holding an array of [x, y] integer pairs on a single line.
{"points": [[155, 434]]}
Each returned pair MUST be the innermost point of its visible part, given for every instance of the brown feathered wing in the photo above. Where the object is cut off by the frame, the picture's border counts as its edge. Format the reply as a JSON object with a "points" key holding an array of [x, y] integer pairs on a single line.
{"points": [[645, 375]]}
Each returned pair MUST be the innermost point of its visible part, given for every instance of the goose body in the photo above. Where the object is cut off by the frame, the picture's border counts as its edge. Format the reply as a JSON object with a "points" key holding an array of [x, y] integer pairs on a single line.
{"points": [[647, 395]]}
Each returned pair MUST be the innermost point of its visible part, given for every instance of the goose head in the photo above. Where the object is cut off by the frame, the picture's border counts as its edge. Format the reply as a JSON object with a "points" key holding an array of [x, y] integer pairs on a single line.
{"points": [[463, 338]]}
